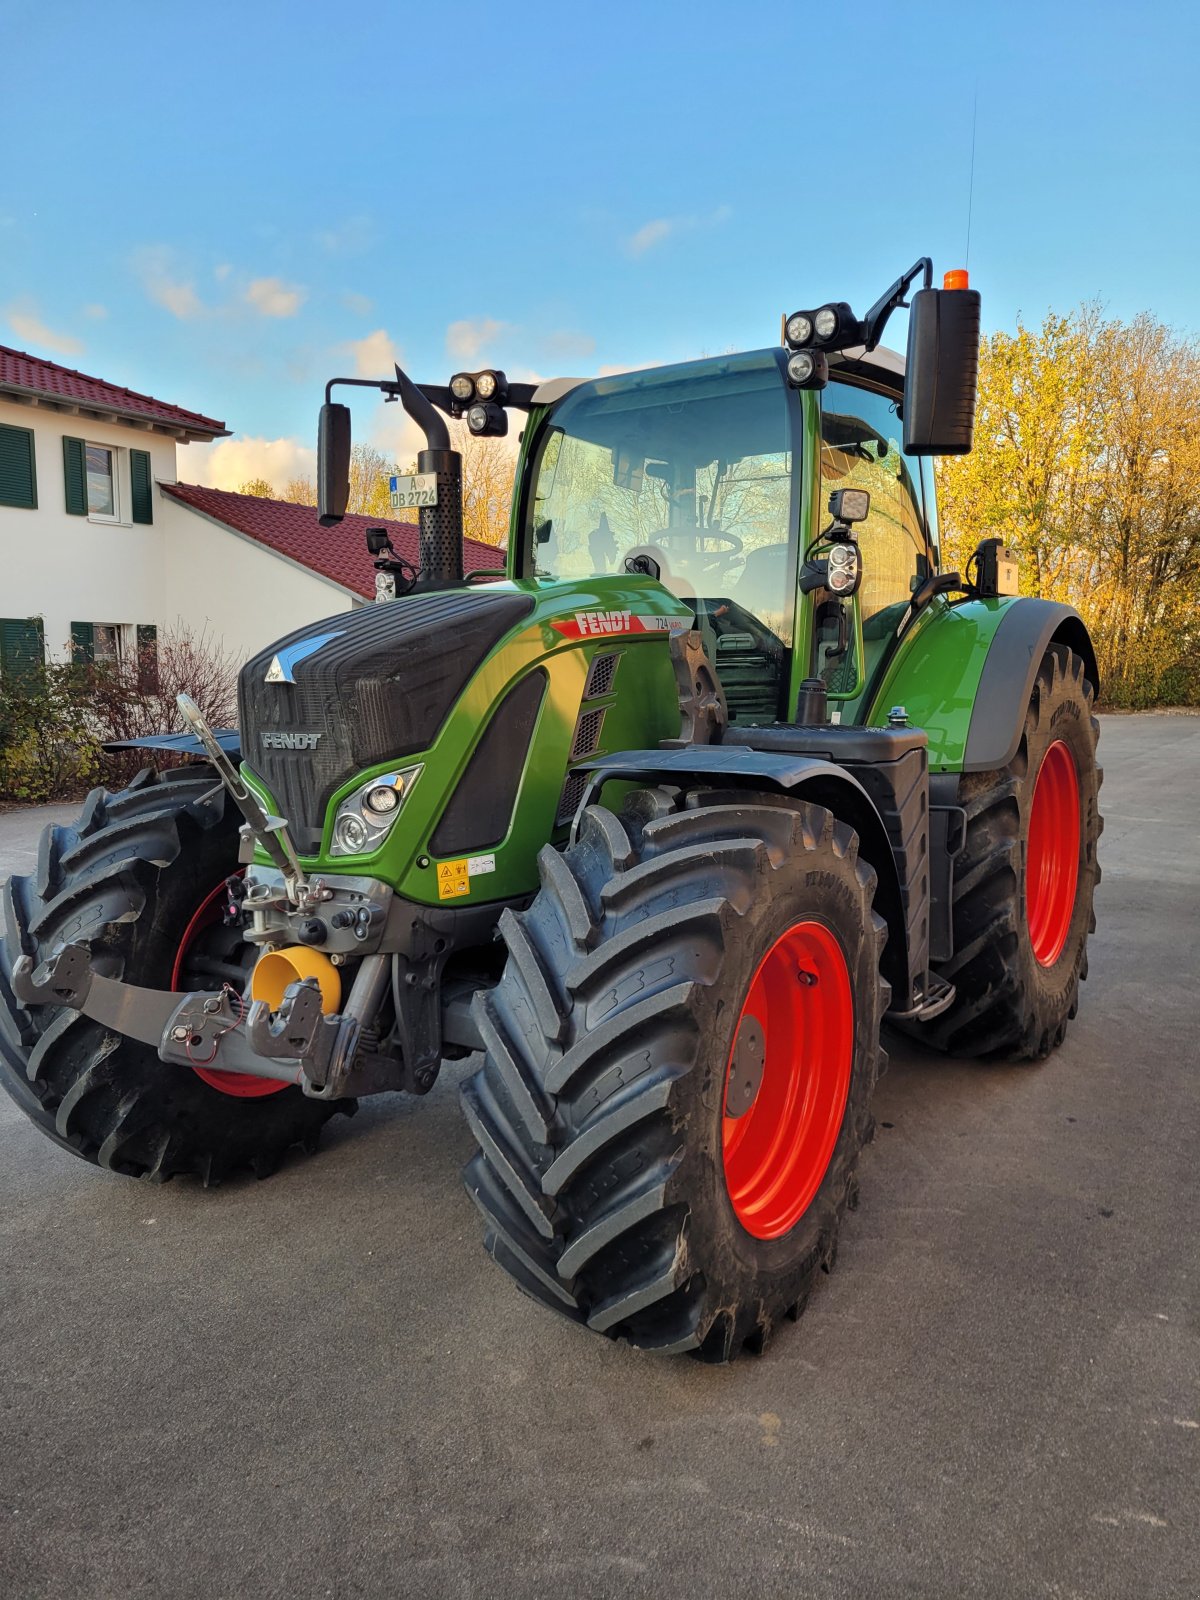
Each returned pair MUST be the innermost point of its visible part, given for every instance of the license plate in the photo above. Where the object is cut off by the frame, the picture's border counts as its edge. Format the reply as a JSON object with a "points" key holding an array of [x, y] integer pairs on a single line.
{"points": [[414, 489]]}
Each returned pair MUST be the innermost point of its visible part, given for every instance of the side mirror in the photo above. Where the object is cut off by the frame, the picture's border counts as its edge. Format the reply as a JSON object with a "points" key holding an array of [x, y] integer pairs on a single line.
{"points": [[942, 372], [333, 463]]}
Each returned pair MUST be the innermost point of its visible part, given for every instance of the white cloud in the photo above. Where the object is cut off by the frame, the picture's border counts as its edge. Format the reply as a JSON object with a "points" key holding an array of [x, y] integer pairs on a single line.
{"points": [[393, 431], [374, 355], [465, 340], [29, 327], [659, 229], [358, 303], [648, 235], [155, 268], [222, 272], [228, 463], [96, 312], [271, 297]]}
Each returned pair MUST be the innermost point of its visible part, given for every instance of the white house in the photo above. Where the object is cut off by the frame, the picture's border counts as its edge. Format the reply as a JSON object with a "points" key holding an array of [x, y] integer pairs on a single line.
{"points": [[101, 548]]}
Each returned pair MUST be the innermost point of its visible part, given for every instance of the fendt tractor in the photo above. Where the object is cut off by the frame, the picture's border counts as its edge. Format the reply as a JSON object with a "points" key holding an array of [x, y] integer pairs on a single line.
{"points": [[660, 822]]}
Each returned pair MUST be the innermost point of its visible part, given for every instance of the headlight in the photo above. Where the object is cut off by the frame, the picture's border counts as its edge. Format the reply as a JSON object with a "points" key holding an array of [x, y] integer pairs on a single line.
{"points": [[478, 418], [364, 819], [826, 322], [843, 570], [462, 386], [800, 367], [798, 328], [485, 385]]}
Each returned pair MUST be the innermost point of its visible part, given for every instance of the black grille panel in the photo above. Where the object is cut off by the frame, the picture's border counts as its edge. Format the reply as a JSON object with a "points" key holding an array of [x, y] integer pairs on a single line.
{"points": [[480, 809], [379, 690], [572, 794], [587, 734], [601, 674]]}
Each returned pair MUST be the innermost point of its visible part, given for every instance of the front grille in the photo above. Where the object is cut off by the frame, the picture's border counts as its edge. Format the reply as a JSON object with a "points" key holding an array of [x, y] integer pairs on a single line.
{"points": [[601, 674], [481, 807], [587, 734], [572, 794], [378, 690]]}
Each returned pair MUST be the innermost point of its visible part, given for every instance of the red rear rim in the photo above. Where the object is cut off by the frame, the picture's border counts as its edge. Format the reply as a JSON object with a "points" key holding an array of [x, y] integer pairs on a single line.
{"points": [[1052, 860], [789, 1077], [207, 916]]}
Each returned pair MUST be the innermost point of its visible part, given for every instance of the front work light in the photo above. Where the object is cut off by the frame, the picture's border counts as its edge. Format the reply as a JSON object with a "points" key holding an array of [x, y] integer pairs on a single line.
{"points": [[488, 419], [798, 329], [485, 385], [850, 505], [462, 385], [808, 369]]}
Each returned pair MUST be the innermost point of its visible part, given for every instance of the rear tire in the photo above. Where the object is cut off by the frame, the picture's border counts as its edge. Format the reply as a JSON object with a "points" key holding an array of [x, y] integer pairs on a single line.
{"points": [[1020, 935], [601, 1108], [128, 878]]}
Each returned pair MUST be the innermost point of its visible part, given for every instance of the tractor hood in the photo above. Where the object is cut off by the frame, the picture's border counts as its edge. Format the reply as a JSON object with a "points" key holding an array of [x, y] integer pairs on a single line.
{"points": [[362, 688]]}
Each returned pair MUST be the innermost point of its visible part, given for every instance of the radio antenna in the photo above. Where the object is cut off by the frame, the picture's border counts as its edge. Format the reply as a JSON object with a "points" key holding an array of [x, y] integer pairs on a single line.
{"points": [[971, 186]]}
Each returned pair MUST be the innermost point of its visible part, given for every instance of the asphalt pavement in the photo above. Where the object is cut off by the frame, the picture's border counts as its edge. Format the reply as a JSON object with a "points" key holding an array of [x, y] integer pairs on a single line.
{"points": [[320, 1386]]}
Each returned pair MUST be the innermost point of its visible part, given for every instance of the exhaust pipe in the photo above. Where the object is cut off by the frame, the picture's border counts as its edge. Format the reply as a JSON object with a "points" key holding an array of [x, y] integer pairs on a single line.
{"points": [[440, 526]]}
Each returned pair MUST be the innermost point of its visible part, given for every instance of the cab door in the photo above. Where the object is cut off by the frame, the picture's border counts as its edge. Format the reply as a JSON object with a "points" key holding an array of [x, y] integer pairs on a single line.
{"points": [[861, 434]]}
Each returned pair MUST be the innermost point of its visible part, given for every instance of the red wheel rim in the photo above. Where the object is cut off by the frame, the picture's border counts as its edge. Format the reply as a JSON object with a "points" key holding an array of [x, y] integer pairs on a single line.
{"points": [[237, 1084], [777, 1151], [1052, 859]]}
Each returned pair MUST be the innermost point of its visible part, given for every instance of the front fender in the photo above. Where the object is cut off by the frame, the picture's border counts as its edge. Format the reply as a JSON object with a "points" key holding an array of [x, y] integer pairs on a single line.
{"points": [[965, 672]]}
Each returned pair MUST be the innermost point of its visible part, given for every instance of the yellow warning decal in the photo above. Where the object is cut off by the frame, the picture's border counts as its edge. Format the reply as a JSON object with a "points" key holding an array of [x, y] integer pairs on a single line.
{"points": [[453, 879]]}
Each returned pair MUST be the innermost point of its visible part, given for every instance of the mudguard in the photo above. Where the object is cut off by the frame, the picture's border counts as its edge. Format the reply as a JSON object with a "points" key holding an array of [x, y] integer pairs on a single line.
{"points": [[965, 672]]}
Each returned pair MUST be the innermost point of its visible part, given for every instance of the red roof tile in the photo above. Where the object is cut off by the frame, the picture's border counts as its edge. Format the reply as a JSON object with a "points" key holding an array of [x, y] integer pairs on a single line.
{"points": [[339, 553], [26, 374]]}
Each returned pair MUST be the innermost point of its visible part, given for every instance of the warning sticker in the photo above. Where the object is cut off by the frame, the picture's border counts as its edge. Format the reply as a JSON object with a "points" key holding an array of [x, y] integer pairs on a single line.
{"points": [[452, 879], [478, 864]]}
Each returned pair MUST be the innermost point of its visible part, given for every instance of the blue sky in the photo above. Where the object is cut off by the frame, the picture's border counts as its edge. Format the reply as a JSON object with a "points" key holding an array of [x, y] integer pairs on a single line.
{"points": [[226, 204]]}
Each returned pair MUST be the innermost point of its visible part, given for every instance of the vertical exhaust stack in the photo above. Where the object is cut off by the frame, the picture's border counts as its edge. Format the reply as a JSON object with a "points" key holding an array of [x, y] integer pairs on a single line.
{"points": [[440, 525]]}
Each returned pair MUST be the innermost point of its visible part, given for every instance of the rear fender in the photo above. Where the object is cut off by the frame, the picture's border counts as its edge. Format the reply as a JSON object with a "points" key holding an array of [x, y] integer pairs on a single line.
{"points": [[965, 672]]}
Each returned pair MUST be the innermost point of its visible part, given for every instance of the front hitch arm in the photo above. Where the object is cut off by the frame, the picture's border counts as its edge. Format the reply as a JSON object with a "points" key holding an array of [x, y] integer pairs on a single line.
{"points": [[297, 1044]]}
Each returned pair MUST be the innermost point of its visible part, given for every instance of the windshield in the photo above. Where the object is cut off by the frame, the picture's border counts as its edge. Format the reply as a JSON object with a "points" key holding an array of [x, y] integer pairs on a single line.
{"points": [[684, 472]]}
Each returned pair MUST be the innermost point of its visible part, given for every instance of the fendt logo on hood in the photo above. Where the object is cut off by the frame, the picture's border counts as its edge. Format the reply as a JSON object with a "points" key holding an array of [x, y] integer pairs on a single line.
{"points": [[290, 741]]}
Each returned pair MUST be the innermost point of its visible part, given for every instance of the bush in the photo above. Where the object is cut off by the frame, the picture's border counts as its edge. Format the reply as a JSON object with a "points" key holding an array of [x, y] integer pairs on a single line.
{"points": [[54, 718], [48, 747]]}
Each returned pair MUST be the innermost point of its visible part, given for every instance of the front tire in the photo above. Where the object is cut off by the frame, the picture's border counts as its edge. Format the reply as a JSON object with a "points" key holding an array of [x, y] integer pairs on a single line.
{"points": [[132, 877], [648, 1164]]}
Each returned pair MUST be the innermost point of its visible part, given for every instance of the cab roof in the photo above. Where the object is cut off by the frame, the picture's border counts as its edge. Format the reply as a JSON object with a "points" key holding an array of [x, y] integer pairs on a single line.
{"points": [[881, 364]]}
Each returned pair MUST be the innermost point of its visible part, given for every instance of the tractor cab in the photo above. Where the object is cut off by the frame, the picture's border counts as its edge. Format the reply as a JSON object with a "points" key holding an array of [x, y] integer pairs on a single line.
{"points": [[714, 478]]}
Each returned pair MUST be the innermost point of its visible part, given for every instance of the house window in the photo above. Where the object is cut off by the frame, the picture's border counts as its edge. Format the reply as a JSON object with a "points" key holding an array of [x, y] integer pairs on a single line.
{"points": [[100, 641], [107, 641], [101, 465]]}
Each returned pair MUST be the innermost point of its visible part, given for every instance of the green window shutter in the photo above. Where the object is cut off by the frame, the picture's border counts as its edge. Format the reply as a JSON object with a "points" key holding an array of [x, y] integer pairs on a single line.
{"points": [[142, 485], [18, 474], [83, 642], [75, 476], [147, 649], [22, 648]]}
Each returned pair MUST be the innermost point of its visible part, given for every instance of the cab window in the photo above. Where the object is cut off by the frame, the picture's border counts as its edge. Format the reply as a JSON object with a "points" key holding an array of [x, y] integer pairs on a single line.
{"points": [[860, 448], [685, 473]]}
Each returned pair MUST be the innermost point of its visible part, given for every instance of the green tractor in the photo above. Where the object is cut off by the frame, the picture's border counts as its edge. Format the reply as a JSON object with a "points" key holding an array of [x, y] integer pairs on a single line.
{"points": [[662, 823]]}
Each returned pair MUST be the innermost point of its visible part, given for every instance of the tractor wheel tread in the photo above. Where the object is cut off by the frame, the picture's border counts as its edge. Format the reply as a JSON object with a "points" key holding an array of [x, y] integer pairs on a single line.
{"points": [[125, 879], [591, 1047], [1005, 1004]]}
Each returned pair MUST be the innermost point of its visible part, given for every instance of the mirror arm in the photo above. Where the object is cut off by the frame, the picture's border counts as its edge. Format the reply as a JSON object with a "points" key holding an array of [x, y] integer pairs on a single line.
{"points": [[876, 319]]}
